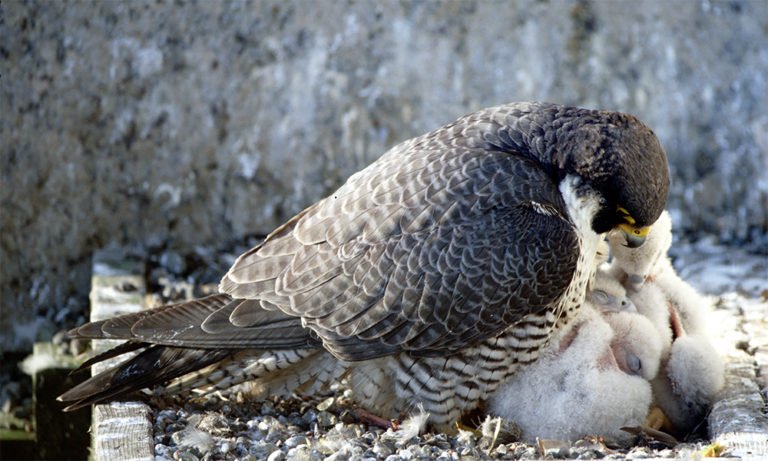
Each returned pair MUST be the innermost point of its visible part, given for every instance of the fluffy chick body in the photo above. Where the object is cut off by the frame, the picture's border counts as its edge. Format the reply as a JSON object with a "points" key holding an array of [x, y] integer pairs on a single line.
{"points": [[692, 372], [593, 377]]}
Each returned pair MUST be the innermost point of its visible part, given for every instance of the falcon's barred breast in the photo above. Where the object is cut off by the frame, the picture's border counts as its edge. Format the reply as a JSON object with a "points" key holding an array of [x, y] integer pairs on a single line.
{"points": [[428, 277]]}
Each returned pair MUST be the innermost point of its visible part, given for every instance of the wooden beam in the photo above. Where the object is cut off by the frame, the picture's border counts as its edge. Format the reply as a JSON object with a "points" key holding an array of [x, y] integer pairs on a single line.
{"points": [[121, 430]]}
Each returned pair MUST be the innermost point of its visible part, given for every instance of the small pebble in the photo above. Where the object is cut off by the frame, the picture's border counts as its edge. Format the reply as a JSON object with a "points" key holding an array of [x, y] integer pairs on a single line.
{"points": [[295, 441], [163, 451], [267, 408], [262, 450], [174, 427], [185, 455], [325, 404], [326, 419], [215, 424], [309, 417]]}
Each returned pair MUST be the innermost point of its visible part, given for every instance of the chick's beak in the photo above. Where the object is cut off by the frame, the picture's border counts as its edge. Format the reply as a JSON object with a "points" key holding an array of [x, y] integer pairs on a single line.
{"points": [[634, 236]]}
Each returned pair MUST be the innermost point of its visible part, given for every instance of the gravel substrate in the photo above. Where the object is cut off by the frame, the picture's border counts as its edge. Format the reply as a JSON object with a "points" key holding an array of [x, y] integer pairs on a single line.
{"points": [[326, 428]]}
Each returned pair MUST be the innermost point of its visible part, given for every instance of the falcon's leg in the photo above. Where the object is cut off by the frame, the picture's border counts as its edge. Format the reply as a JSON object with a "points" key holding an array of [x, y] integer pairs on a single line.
{"points": [[367, 417]]}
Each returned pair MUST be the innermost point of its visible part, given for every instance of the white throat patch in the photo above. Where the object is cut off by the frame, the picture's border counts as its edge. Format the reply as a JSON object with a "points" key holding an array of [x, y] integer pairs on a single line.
{"points": [[581, 211]]}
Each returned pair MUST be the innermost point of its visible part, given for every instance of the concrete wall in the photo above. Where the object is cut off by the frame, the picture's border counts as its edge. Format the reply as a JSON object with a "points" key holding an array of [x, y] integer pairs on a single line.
{"points": [[194, 124]]}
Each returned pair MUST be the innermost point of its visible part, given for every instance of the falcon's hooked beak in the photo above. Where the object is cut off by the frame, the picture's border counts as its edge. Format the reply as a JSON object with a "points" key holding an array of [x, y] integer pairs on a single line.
{"points": [[634, 236]]}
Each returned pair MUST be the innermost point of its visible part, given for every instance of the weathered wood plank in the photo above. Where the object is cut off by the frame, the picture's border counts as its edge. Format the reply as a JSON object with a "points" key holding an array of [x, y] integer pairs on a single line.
{"points": [[121, 430], [738, 419]]}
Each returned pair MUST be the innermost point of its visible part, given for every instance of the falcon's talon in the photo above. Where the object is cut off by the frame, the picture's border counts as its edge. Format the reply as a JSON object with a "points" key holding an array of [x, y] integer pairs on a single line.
{"points": [[460, 426], [650, 434], [657, 420]]}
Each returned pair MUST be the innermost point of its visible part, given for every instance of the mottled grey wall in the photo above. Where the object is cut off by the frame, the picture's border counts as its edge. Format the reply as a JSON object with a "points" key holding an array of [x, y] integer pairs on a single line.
{"points": [[138, 122]]}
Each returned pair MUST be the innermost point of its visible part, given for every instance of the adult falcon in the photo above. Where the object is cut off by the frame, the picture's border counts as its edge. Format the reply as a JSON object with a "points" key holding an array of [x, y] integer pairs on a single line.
{"points": [[429, 277]]}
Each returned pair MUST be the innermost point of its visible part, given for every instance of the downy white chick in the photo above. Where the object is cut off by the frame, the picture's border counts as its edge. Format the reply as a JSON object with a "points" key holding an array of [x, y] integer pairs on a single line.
{"points": [[689, 380], [632, 266], [592, 378], [609, 295], [650, 263], [692, 371], [637, 344]]}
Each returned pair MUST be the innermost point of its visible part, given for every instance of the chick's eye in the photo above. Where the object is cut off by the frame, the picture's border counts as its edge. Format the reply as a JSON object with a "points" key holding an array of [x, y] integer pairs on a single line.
{"points": [[634, 363], [601, 297]]}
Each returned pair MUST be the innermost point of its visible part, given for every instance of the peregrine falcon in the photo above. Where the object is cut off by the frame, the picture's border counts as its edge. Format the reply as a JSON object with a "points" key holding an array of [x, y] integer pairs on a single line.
{"points": [[429, 277]]}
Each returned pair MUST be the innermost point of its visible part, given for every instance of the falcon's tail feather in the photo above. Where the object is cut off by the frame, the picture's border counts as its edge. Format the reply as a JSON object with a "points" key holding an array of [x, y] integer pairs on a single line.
{"points": [[177, 342], [189, 324], [270, 373], [192, 345], [154, 365], [126, 347]]}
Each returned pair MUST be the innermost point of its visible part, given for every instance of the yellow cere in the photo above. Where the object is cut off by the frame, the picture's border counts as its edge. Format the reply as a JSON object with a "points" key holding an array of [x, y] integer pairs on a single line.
{"points": [[637, 231]]}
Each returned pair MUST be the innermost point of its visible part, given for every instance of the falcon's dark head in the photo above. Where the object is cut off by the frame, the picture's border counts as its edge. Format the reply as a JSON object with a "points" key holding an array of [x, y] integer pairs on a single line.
{"points": [[622, 159]]}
